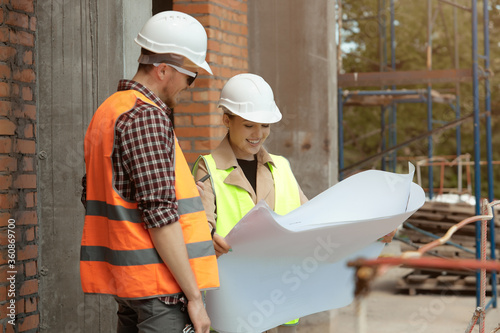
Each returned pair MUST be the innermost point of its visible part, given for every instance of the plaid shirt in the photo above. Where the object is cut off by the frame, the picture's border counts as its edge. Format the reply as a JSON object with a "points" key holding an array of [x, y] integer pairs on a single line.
{"points": [[143, 162]]}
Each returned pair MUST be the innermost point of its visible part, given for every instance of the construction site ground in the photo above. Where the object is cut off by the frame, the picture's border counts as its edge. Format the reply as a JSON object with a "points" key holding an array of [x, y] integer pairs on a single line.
{"points": [[389, 311]]}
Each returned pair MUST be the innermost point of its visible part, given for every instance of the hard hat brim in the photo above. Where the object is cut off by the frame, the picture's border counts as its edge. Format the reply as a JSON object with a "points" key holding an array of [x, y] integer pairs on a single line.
{"points": [[261, 117], [206, 67]]}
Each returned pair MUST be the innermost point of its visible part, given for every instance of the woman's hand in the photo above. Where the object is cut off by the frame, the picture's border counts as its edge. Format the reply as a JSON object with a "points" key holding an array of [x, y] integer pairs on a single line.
{"points": [[388, 238], [220, 245]]}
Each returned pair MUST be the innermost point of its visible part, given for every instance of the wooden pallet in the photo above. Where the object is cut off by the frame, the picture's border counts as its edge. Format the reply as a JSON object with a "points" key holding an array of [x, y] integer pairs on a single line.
{"points": [[437, 218], [446, 283]]}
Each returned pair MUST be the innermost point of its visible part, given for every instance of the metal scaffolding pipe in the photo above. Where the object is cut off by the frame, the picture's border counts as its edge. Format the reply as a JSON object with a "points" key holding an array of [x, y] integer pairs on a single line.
{"points": [[477, 139], [489, 149]]}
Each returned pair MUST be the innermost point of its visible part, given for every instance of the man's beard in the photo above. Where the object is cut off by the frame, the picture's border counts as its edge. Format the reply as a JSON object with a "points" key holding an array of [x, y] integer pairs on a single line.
{"points": [[171, 102]]}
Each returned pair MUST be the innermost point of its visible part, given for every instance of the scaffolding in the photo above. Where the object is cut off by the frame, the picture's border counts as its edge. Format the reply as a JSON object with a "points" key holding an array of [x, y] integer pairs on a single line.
{"points": [[389, 97]]}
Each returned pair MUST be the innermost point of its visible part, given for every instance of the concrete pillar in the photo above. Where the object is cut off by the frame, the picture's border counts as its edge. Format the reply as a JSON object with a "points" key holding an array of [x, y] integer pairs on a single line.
{"points": [[292, 45], [84, 48]]}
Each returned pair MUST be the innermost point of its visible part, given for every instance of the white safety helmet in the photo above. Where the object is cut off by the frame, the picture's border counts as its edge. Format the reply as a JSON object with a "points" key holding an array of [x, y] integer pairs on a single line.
{"points": [[174, 32], [250, 97]]}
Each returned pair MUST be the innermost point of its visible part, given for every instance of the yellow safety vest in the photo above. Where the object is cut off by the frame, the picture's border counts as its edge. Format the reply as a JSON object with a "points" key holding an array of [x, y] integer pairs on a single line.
{"points": [[233, 202]]}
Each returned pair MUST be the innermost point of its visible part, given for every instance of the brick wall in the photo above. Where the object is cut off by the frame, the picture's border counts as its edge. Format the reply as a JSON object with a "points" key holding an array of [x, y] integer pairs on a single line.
{"points": [[198, 122], [18, 180]]}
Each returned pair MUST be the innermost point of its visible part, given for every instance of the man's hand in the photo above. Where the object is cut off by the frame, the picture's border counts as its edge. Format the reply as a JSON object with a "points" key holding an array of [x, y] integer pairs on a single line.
{"points": [[198, 316], [169, 243], [220, 245]]}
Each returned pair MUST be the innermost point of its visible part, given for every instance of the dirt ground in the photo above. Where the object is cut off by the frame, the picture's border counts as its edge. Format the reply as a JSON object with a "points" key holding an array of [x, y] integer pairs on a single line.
{"points": [[386, 311]]}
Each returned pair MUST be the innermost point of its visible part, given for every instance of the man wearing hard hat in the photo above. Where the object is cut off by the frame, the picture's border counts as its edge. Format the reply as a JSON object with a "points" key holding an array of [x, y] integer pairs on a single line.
{"points": [[146, 240]]}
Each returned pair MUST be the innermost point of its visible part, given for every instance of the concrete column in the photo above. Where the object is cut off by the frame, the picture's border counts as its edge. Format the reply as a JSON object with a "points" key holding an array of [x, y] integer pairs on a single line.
{"points": [[83, 49], [292, 46]]}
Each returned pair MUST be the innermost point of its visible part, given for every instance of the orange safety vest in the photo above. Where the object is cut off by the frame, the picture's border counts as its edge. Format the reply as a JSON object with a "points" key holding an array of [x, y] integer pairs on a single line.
{"points": [[117, 254]]}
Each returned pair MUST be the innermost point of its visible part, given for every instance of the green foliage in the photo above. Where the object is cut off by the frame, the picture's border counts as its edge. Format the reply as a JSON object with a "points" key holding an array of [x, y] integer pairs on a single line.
{"points": [[364, 24]]}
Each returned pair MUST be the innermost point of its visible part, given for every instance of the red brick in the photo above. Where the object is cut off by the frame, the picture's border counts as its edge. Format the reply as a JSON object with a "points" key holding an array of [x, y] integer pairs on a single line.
{"points": [[8, 201], [28, 131], [28, 252], [3, 274], [27, 94], [28, 111], [30, 304], [25, 146], [235, 5], [208, 21], [14, 89], [192, 8], [33, 23], [26, 75], [28, 287], [20, 269], [5, 182], [4, 108], [27, 164], [25, 181], [5, 145], [205, 145], [182, 120], [23, 5], [22, 38], [10, 328], [206, 82], [4, 311], [4, 34], [4, 89], [4, 240], [204, 120], [28, 58], [30, 200], [206, 96], [185, 145], [200, 132], [7, 53], [3, 293], [192, 108], [28, 217], [7, 164], [30, 266], [7, 127], [17, 19], [191, 132], [20, 305], [213, 45], [29, 323], [4, 219]]}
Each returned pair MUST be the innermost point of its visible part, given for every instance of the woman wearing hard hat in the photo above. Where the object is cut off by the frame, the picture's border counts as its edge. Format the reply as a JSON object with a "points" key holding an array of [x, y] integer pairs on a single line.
{"points": [[241, 171]]}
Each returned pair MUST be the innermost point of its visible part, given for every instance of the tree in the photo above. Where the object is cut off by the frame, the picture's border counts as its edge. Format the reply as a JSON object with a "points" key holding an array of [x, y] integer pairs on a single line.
{"points": [[363, 25]]}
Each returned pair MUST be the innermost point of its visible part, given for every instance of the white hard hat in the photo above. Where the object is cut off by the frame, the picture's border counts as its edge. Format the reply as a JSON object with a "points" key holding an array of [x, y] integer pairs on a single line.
{"points": [[250, 97], [177, 33]]}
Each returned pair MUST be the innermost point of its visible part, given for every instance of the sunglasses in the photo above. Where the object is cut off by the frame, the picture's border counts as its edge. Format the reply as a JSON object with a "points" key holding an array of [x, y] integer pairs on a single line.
{"points": [[191, 76]]}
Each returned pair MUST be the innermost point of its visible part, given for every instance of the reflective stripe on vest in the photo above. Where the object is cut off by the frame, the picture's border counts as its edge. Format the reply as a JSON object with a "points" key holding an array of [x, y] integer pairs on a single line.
{"points": [[117, 254], [233, 202]]}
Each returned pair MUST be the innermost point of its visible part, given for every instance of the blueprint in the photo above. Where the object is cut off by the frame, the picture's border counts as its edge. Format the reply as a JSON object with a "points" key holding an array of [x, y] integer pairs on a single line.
{"points": [[285, 267]]}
